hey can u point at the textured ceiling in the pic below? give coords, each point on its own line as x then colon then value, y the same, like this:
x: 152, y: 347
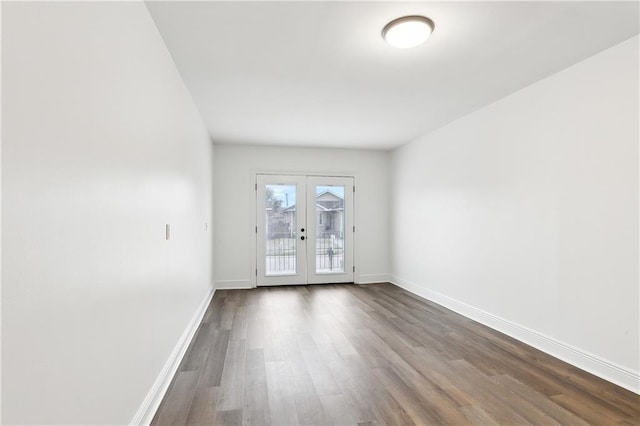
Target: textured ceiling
x: 319, y: 73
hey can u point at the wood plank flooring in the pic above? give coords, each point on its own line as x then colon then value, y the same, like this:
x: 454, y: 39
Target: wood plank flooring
x: 374, y: 354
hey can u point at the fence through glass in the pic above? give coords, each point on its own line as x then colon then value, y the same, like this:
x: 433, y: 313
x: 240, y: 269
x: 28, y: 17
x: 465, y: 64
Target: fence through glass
x: 329, y: 229
x: 280, y: 227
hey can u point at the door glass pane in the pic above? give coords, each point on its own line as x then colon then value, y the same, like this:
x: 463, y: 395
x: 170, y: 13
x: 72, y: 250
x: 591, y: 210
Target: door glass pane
x: 280, y: 229
x: 329, y: 210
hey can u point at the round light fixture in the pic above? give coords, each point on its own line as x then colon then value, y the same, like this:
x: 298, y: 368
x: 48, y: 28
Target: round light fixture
x: 408, y: 31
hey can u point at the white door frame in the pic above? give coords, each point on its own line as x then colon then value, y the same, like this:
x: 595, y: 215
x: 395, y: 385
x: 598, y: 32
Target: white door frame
x: 348, y: 272
x: 296, y: 235
x: 253, y: 229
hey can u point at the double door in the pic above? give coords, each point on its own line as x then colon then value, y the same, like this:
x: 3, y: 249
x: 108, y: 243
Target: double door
x: 304, y: 229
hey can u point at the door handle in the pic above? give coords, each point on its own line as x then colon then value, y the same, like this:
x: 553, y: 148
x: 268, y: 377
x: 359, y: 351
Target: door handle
x: 302, y: 238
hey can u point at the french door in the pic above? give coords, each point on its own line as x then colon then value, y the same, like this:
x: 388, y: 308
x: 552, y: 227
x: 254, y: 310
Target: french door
x: 304, y: 229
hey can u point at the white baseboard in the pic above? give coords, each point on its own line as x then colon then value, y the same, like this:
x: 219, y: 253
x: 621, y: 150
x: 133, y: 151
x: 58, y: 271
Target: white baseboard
x: 150, y: 405
x: 233, y: 285
x: 373, y: 278
x: 577, y: 357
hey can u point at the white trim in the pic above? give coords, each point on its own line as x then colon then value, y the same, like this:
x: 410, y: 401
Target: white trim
x: 577, y: 357
x: 300, y: 173
x: 373, y: 278
x: 154, y: 397
x: 234, y: 285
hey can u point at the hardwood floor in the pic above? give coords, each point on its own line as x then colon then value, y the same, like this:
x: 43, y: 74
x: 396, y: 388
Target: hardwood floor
x: 349, y: 354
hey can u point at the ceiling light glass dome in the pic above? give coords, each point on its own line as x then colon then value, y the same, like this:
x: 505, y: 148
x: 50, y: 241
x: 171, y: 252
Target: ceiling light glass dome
x: 408, y: 31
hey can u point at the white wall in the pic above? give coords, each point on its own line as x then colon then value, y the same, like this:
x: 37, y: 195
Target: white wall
x: 235, y: 166
x: 524, y: 214
x: 102, y: 146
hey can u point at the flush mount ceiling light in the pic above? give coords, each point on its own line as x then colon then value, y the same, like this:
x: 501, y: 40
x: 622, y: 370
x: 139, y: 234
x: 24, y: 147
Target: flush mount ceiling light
x: 408, y: 31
